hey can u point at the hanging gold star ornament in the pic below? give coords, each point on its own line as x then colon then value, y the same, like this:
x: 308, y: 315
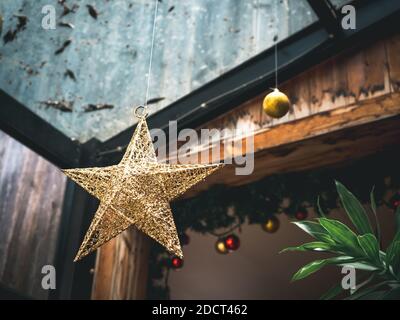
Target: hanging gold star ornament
x: 137, y: 191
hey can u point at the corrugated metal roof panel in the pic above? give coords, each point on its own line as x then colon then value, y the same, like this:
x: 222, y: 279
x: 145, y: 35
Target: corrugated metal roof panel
x: 196, y: 41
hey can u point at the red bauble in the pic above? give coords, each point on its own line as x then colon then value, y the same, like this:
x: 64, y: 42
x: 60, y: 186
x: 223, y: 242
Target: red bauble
x: 232, y: 242
x: 185, y: 239
x: 176, y: 263
x: 395, y: 201
x: 301, y: 214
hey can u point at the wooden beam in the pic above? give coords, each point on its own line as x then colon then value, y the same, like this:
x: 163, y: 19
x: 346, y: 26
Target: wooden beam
x: 329, y: 121
x: 348, y: 94
x: 323, y: 139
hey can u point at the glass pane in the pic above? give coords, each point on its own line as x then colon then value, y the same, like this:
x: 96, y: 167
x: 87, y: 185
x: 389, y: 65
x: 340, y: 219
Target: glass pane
x: 106, y: 61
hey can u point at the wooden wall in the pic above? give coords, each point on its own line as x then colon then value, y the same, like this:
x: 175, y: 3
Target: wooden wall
x: 31, y: 197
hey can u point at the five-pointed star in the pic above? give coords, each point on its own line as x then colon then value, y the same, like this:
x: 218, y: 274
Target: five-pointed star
x: 137, y: 192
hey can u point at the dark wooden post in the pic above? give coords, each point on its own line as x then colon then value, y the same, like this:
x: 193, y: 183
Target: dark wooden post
x: 121, y: 267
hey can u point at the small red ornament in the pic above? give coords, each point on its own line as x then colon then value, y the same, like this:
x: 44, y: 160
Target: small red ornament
x: 232, y: 242
x: 301, y: 214
x: 395, y: 200
x: 176, y: 263
x: 185, y: 239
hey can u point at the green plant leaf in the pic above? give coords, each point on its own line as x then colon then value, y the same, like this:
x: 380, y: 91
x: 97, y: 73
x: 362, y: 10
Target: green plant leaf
x: 320, y: 211
x: 370, y: 246
x: 397, y: 217
x: 391, y: 253
x: 364, y: 292
x: 393, y: 256
x: 315, y: 230
x: 396, y: 237
x: 393, y: 294
x: 342, y: 235
x: 373, y: 207
x: 308, y: 269
x: 376, y: 295
x: 372, y: 198
x: 360, y: 266
x: 364, y: 282
x: 316, y: 265
x: 354, y: 209
x: 312, y: 246
x: 332, y: 292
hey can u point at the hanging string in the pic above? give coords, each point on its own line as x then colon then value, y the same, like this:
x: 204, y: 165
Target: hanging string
x: 256, y: 33
x: 276, y: 63
x: 151, y: 53
x: 276, y: 44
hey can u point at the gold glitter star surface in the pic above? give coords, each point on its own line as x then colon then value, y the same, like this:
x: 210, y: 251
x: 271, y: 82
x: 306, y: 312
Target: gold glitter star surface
x: 137, y: 192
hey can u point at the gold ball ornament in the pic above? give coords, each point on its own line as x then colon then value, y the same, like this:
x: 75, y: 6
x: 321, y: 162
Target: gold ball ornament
x: 271, y: 225
x: 276, y: 104
x: 221, y: 247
